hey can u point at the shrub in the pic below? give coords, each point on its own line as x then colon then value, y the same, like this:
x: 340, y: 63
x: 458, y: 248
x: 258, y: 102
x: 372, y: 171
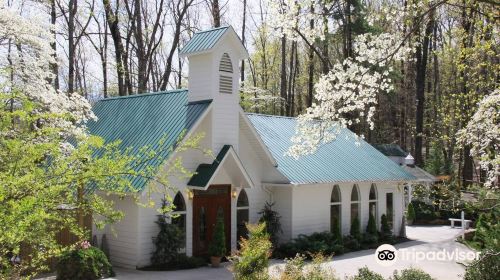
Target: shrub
x: 365, y: 274
x: 370, y: 240
x: 385, y: 228
x: 355, y: 229
x: 351, y: 243
x: 84, y: 263
x: 486, y: 268
x: 324, y: 242
x: 481, y: 227
x: 410, y: 215
x: 411, y: 274
x: 295, y: 269
x: 423, y: 211
x: 181, y: 261
x: 272, y: 220
x: 167, y: 242
x: 336, y: 230
x: 253, y: 258
x: 372, y: 225
x: 217, y: 247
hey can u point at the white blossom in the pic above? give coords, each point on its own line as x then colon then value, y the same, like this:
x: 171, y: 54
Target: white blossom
x: 30, y: 65
x: 288, y: 16
x: 482, y: 133
x: 348, y: 93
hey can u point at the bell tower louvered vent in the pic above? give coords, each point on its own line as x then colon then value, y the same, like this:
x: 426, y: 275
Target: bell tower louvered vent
x: 225, y: 64
x: 225, y: 75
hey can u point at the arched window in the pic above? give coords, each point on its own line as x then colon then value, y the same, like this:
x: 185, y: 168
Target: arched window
x: 179, y: 217
x: 335, y: 208
x: 242, y: 213
x: 372, y: 201
x: 355, y: 200
x: 225, y: 75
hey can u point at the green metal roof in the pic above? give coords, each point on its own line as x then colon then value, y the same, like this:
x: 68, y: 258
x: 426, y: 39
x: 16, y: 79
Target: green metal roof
x: 338, y: 161
x: 144, y: 120
x: 390, y: 150
x: 203, y: 40
x: 205, y: 171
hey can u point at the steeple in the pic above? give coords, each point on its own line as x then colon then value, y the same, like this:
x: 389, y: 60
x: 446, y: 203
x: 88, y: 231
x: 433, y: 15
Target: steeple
x: 214, y: 57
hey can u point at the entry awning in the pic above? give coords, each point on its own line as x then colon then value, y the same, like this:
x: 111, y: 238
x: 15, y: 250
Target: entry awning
x: 226, y: 160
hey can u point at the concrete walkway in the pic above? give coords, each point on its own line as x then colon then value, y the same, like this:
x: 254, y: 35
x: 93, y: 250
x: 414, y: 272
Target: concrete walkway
x: 424, y: 239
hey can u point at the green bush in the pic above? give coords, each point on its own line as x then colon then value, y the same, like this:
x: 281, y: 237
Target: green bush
x: 336, y: 230
x: 324, y: 242
x: 410, y: 215
x: 370, y: 240
x: 181, y: 261
x: 217, y: 247
x: 273, y: 224
x: 372, y: 225
x: 84, y: 263
x: 355, y: 229
x: 252, y: 261
x: 385, y: 230
x: 295, y: 269
x: 167, y: 243
x: 352, y: 243
x: 486, y: 268
x: 423, y: 211
x: 366, y: 274
x: 411, y: 274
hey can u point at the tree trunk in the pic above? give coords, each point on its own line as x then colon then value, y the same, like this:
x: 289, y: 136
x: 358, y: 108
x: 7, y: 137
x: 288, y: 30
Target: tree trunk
x: 142, y: 60
x: 114, y: 29
x: 215, y: 9
x: 421, y: 65
x: 310, y: 69
x: 347, y: 50
x: 72, y: 8
x: 53, y: 18
x: 283, y: 76
x: 243, y: 28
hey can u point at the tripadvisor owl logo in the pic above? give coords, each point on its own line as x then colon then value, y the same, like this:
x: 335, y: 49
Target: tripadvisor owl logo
x: 386, y: 255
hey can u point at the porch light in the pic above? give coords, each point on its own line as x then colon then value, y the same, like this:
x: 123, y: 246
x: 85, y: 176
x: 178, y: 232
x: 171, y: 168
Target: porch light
x: 234, y: 193
x: 190, y: 194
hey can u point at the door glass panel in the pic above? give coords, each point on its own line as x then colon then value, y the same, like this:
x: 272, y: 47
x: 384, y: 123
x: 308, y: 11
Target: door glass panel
x: 203, y: 224
x: 220, y: 213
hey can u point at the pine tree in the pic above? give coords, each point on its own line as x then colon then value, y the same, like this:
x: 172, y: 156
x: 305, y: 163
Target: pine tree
x: 168, y: 242
x: 355, y: 229
x: 372, y: 225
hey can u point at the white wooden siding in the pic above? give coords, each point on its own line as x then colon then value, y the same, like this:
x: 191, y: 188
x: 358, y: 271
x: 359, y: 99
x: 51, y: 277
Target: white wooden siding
x: 123, y: 236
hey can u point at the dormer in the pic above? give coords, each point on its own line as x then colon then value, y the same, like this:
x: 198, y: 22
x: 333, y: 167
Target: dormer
x: 214, y: 56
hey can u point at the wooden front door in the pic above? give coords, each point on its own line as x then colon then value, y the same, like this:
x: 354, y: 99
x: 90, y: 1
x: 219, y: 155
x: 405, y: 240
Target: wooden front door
x: 207, y: 206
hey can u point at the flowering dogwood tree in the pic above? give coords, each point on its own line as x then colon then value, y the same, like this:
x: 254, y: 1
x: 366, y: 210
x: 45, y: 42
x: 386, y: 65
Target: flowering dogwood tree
x: 482, y: 133
x: 50, y: 167
x: 347, y: 94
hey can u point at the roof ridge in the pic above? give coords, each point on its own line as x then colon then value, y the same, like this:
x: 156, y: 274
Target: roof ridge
x: 271, y: 116
x: 213, y: 29
x: 145, y: 94
x: 200, y: 102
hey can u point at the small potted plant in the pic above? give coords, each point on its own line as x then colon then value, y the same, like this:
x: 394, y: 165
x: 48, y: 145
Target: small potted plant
x: 217, y: 248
